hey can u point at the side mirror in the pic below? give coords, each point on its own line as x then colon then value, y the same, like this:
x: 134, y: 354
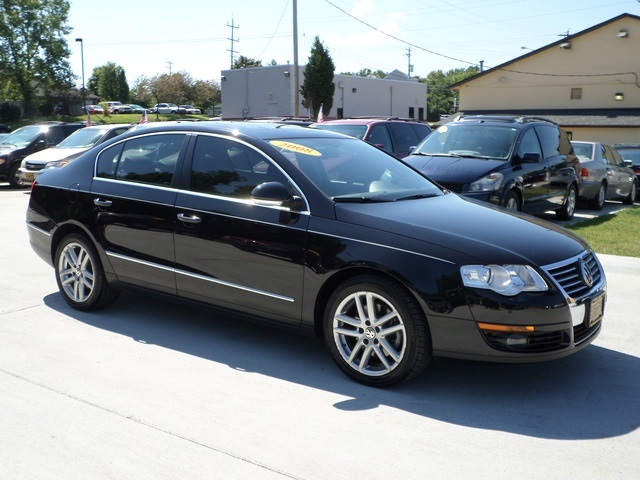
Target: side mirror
x: 531, y: 158
x: 275, y: 194
x: 627, y: 163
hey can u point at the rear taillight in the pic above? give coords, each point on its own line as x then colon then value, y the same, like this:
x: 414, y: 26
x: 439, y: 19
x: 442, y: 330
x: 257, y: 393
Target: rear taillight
x: 584, y: 172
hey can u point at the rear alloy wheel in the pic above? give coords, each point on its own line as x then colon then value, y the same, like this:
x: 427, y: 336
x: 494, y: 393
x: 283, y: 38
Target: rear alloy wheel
x: 597, y: 202
x: 376, y: 332
x: 569, y: 207
x: 80, y: 276
x: 629, y: 199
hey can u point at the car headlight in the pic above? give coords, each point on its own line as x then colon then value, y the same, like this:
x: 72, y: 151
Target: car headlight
x: 506, y: 280
x: 489, y: 183
x: 57, y: 164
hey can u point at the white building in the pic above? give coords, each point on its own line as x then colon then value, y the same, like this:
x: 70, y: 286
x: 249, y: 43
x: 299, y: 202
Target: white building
x: 270, y: 92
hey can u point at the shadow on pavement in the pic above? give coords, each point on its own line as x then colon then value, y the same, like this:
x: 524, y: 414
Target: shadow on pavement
x: 592, y: 394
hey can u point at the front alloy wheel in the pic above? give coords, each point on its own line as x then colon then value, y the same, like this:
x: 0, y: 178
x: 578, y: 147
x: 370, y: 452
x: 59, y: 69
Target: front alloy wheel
x: 80, y: 276
x: 375, y: 332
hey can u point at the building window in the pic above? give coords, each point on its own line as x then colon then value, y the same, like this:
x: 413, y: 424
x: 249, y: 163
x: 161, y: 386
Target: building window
x: 412, y: 112
x: 421, y: 114
x: 340, y: 113
x: 576, y: 93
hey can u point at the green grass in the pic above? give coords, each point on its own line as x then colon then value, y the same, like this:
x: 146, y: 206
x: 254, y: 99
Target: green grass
x: 615, y: 234
x: 104, y: 119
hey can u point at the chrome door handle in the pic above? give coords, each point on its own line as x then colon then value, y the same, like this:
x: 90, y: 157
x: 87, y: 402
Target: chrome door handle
x: 189, y: 218
x: 102, y: 203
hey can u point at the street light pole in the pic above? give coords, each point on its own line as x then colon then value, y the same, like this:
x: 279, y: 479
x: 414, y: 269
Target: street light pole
x: 82, y: 58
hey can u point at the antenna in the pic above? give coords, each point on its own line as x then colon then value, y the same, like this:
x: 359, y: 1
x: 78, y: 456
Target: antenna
x: 409, y: 67
x: 233, y: 40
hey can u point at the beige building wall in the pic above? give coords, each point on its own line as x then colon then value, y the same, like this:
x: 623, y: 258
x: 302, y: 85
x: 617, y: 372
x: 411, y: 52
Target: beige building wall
x: 598, y: 65
x: 605, y: 135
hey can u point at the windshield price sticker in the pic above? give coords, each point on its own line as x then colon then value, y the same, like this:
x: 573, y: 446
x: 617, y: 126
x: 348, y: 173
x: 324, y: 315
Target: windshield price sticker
x: 294, y: 147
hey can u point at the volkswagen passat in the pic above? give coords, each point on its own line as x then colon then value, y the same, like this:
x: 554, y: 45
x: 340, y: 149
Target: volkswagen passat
x: 319, y: 232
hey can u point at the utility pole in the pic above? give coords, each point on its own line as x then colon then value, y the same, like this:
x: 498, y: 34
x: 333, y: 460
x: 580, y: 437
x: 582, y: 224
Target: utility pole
x: 233, y: 40
x: 169, y: 63
x: 409, y: 67
x: 296, y: 76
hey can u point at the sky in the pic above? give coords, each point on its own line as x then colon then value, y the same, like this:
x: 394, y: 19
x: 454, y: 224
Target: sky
x: 152, y: 37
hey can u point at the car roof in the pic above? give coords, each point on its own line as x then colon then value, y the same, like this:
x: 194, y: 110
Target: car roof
x: 513, y: 120
x: 370, y: 120
x: 259, y: 130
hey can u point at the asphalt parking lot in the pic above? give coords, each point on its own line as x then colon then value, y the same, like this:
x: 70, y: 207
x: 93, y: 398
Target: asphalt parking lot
x: 150, y: 389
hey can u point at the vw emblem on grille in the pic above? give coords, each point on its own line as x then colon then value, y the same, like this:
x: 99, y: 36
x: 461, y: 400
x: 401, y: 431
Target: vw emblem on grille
x: 587, y: 274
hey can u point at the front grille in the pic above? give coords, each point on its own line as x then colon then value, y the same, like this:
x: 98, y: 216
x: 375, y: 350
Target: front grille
x: 453, y: 186
x: 572, y: 275
x: 34, y: 166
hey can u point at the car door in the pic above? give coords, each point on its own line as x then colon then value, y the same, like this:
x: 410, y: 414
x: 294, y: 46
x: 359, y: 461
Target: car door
x: 556, y: 149
x: 134, y: 199
x: 531, y: 168
x: 619, y: 176
x: 231, y: 251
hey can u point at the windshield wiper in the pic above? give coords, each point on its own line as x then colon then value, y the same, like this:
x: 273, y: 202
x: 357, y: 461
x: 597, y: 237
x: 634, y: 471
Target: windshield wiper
x: 417, y: 196
x: 359, y: 199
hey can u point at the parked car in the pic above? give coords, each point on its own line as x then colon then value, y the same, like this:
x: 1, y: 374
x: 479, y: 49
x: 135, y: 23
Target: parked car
x: 5, y: 128
x: 604, y: 175
x: 190, y: 109
x: 167, y: 108
x: 321, y: 233
x: 3, y: 135
x: 94, y: 109
x: 67, y: 150
x: 394, y: 135
x: 122, y: 108
x: 520, y: 163
x: 27, y: 140
x: 631, y: 152
x: 136, y: 108
x: 112, y: 103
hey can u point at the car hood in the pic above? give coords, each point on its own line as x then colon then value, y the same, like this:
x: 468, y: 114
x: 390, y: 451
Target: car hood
x: 453, y: 169
x: 477, y: 230
x: 53, y: 154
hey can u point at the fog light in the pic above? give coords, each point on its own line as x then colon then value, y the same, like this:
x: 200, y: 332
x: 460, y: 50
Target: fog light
x: 517, y: 341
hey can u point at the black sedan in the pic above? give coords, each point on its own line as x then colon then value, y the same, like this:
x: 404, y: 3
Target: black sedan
x: 321, y: 233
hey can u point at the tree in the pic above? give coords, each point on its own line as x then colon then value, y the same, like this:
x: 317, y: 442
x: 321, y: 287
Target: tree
x: 206, y: 94
x: 109, y: 82
x: 141, y: 92
x: 318, y: 88
x: 244, y: 62
x: 33, y: 51
x: 172, y: 88
x: 440, y: 98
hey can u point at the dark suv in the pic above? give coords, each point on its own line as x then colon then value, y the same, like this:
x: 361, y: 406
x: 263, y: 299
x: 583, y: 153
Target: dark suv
x: 521, y: 163
x: 631, y: 152
x: 394, y: 135
x: 27, y: 140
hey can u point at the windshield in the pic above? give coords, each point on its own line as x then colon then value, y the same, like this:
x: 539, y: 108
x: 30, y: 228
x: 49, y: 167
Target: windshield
x: 21, y: 137
x: 83, y: 138
x: 357, y: 131
x: 472, y: 140
x: 349, y: 170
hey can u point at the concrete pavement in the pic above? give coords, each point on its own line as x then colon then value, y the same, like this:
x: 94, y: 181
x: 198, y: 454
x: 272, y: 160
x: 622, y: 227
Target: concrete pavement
x: 150, y: 389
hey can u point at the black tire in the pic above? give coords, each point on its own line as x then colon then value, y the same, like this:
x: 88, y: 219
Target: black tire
x: 569, y: 208
x: 512, y: 202
x: 14, y: 182
x: 366, y: 350
x: 629, y: 199
x: 597, y: 202
x: 80, y: 275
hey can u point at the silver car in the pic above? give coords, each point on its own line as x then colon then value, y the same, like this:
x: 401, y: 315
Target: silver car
x: 604, y: 175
